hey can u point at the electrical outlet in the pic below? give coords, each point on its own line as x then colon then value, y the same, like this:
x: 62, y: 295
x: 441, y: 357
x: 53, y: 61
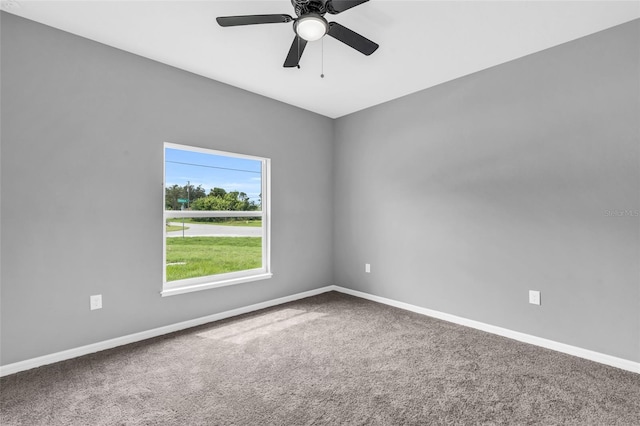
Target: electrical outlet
x: 367, y: 268
x: 95, y: 302
x: 534, y: 297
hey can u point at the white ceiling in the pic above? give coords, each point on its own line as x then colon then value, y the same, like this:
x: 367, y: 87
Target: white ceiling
x: 422, y: 43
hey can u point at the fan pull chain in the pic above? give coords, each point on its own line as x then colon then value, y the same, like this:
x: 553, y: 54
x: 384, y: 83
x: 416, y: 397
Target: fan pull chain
x: 298, y: 39
x: 322, y: 59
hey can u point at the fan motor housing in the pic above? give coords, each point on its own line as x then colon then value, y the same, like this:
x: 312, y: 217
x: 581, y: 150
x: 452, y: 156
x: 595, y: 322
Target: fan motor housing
x: 305, y: 7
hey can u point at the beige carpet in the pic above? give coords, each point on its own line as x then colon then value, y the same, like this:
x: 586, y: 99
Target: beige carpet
x: 328, y: 359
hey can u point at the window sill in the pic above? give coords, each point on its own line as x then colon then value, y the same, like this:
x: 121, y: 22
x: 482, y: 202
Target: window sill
x: 214, y: 284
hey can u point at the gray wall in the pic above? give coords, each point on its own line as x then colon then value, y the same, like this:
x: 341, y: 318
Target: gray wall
x: 83, y: 127
x: 465, y: 196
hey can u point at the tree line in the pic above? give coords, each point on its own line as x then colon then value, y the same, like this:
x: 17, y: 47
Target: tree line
x: 217, y: 199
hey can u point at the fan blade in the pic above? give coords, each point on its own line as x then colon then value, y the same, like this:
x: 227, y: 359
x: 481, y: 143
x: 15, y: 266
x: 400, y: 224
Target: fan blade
x: 232, y: 21
x: 336, y: 6
x: 295, y: 53
x: 353, y: 39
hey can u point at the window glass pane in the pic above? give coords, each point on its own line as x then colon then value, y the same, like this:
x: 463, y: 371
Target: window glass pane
x: 205, y: 246
x: 200, y: 249
x: 200, y: 181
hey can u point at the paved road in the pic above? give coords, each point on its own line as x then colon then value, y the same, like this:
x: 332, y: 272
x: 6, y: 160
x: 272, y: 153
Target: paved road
x: 198, y: 230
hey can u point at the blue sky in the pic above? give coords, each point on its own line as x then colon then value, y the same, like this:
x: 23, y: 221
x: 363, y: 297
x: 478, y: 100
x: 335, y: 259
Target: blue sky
x: 211, y: 171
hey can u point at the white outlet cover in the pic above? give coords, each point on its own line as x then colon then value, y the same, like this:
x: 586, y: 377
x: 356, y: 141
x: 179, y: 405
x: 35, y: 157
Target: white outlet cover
x: 534, y: 297
x: 367, y: 268
x: 95, y: 302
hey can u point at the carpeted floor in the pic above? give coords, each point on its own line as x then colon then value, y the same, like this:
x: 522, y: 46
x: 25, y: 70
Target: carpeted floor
x: 328, y: 359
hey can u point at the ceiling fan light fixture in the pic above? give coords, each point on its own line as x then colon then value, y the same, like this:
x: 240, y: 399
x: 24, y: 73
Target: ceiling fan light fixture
x: 311, y: 27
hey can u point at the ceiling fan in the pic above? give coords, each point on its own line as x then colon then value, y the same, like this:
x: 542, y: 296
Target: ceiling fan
x: 310, y: 25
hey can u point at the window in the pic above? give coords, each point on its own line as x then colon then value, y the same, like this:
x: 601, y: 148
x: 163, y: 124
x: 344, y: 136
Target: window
x: 216, y: 219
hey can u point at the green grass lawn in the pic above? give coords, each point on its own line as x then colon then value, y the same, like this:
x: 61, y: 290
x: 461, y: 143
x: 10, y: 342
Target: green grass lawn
x: 171, y: 228
x: 236, y: 222
x: 202, y: 256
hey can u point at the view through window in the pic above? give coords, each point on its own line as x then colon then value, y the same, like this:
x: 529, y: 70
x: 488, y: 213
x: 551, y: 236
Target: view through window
x: 216, y: 218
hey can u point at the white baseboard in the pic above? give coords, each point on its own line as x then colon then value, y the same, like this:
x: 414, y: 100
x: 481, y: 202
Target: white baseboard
x: 28, y: 364
x: 136, y: 337
x: 613, y: 361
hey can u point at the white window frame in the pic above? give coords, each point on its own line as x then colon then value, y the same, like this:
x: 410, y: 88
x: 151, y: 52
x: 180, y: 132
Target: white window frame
x: 219, y: 280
